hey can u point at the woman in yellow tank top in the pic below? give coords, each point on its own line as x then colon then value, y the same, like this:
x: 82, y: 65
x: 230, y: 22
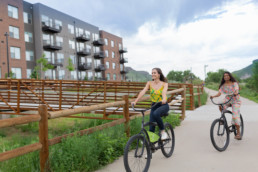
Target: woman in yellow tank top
x: 158, y: 93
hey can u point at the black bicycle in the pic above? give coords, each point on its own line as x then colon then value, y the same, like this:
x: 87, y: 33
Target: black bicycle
x: 139, y: 148
x: 220, y: 130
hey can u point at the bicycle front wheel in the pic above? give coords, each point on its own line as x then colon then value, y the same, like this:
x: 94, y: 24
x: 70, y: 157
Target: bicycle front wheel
x: 219, y: 134
x: 168, y: 145
x: 137, y: 155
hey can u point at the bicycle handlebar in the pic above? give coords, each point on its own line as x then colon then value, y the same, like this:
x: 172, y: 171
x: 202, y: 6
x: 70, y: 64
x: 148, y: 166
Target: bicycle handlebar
x: 147, y: 108
x: 233, y: 95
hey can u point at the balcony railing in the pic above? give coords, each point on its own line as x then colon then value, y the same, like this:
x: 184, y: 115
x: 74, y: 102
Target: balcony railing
x: 48, y: 45
x: 84, y: 66
x: 123, y: 60
x: 84, y: 52
x: 122, y: 50
x: 100, y: 68
x: 99, y: 55
x: 56, y: 63
x: 83, y: 38
x: 47, y: 27
x: 99, y: 42
x: 123, y: 71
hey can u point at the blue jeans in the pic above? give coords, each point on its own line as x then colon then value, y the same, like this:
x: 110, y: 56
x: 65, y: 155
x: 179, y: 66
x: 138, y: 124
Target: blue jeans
x: 155, y: 113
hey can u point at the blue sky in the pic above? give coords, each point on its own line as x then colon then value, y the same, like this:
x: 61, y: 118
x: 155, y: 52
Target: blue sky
x: 175, y: 34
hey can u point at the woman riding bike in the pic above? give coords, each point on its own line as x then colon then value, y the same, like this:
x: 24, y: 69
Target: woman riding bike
x: 158, y: 90
x: 229, y: 86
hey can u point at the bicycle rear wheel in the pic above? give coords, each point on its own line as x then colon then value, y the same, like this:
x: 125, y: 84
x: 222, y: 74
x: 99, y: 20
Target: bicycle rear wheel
x: 241, y: 127
x: 219, y: 134
x: 168, y: 145
x: 137, y: 155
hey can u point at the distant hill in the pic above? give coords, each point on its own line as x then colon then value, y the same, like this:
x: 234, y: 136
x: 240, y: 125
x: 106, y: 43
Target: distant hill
x: 137, y: 76
x: 245, y: 72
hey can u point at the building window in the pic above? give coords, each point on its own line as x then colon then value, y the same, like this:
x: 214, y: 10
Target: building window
x: 107, y: 65
x: 59, y: 41
x: 14, y: 32
x: 28, y: 37
x: 120, y: 46
x: 28, y: 73
x: 72, y: 57
x: 106, y: 41
x: 60, y: 58
x: 106, y: 53
x: 79, y: 32
x: 58, y: 23
x: 108, y: 76
x: 61, y: 74
x: 89, y: 61
x: 90, y: 76
x: 112, y: 43
x: 15, y: 52
x: 71, y: 28
x: 113, y: 54
x: 114, y: 76
x: 12, y: 11
x: 87, y: 34
x: 114, y: 65
x: 73, y: 75
x: 72, y: 44
x: 49, y: 56
x: 17, y: 73
x: 29, y: 56
x: 27, y: 18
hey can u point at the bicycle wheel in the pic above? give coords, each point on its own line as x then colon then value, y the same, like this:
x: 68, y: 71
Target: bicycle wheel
x: 137, y: 155
x: 219, y: 134
x: 241, y: 126
x: 168, y: 145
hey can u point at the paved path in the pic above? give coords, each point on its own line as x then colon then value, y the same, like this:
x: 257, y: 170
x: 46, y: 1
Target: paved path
x: 194, y: 151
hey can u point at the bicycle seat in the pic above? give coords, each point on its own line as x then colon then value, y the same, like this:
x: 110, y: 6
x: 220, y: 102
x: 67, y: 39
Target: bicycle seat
x: 164, y: 115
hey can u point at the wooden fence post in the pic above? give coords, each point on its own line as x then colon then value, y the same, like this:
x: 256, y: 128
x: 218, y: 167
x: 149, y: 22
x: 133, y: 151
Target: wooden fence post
x: 60, y: 94
x: 18, y: 95
x: 43, y: 138
x: 126, y: 115
x: 191, y: 89
x: 183, y: 103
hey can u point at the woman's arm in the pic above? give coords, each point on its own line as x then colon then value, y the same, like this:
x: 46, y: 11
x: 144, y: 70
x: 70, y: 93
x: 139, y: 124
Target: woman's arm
x: 142, y: 93
x: 217, y: 95
x: 236, y: 88
x: 164, y: 93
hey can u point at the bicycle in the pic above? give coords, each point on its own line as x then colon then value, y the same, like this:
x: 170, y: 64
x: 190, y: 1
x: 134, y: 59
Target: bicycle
x: 139, y: 148
x: 219, y: 131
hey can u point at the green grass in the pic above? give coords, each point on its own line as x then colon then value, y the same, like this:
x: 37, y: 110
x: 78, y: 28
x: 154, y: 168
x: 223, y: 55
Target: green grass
x: 78, y: 153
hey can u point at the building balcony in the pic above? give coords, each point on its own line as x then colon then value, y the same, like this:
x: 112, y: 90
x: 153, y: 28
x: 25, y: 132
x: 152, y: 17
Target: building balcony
x: 56, y: 63
x: 83, y: 38
x: 123, y: 71
x: 98, y: 42
x: 100, y: 68
x: 123, y: 60
x: 122, y: 50
x: 100, y: 79
x: 84, y: 66
x: 84, y: 52
x: 99, y: 55
x: 48, y: 45
x: 46, y: 27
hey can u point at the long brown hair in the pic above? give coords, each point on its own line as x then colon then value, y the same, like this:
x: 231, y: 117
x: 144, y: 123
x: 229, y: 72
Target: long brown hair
x: 232, y: 79
x: 162, y: 77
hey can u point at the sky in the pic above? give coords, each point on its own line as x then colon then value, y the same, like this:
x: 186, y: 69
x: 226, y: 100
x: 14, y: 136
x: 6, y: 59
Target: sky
x: 175, y: 34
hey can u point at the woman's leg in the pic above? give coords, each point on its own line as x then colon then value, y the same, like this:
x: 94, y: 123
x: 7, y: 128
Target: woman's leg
x: 152, y: 119
x: 236, y: 119
x: 157, y: 112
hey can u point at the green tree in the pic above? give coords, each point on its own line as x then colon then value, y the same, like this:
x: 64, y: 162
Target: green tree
x: 11, y: 75
x: 42, y: 65
x: 255, y: 75
x: 175, y: 76
x: 70, y: 66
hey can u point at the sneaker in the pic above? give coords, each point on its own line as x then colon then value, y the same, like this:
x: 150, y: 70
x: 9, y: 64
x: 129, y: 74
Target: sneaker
x: 164, y: 136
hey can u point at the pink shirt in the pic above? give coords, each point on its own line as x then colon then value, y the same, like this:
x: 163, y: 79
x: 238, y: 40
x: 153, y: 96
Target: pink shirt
x: 230, y: 90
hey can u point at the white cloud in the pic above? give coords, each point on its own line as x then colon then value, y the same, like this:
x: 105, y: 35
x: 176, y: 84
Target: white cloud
x: 227, y: 41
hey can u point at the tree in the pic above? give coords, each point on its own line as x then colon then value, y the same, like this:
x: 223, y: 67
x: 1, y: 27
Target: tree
x: 11, y: 75
x: 255, y: 75
x: 175, y: 76
x: 42, y: 65
x: 70, y: 66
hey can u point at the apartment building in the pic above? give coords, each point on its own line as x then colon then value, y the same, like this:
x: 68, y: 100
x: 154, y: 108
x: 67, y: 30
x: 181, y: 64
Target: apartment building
x: 114, y: 53
x: 36, y: 31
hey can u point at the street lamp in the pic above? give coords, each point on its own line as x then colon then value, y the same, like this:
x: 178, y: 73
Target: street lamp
x: 205, y: 72
x: 7, y: 53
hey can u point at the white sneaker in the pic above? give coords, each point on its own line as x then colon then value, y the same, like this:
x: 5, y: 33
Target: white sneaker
x: 164, y: 136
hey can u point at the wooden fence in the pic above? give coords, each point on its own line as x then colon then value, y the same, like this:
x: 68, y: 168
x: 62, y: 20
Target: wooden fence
x: 20, y: 95
x: 44, y: 115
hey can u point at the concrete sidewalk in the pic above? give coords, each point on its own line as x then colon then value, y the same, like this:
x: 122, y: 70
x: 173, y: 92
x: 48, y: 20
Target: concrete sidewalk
x: 194, y: 151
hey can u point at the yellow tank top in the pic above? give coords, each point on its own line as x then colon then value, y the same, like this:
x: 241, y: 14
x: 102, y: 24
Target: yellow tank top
x: 156, y: 95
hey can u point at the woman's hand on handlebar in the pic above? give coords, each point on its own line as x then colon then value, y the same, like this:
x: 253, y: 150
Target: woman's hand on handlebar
x: 211, y: 97
x: 133, y: 103
x: 164, y: 101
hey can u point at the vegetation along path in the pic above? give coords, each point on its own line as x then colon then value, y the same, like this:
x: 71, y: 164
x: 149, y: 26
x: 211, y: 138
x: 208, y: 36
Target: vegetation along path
x: 194, y: 151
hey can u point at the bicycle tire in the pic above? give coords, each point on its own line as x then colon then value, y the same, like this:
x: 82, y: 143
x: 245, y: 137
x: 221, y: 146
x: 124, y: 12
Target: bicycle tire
x: 135, y: 150
x: 241, y: 127
x: 168, y: 146
x: 218, y: 131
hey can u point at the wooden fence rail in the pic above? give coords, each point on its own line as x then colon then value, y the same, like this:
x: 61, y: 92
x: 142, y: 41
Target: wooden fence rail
x: 44, y: 115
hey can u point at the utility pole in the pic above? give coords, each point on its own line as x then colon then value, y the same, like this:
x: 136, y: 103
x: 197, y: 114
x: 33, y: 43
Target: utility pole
x: 205, y: 66
x: 7, y: 53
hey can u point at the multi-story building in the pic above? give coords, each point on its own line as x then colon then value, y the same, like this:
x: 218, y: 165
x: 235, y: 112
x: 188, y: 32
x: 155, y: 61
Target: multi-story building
x: 36, y: 31
x: 114, y: 52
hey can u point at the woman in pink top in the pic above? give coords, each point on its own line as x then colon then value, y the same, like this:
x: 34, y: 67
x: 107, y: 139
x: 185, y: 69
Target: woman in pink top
x: 229, y: 86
